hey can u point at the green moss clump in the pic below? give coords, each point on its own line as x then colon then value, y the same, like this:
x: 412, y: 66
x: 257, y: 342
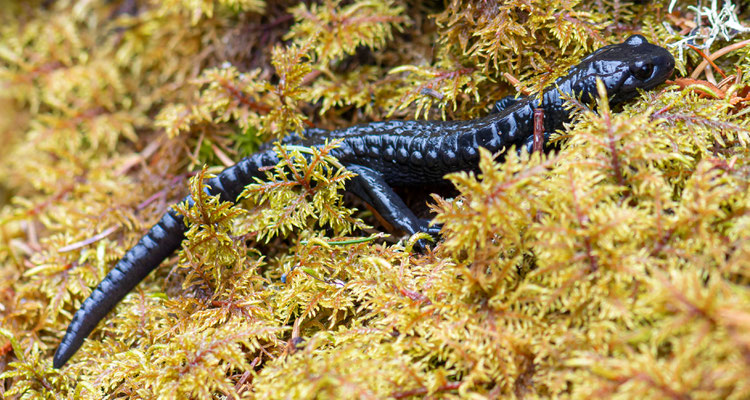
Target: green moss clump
x: 618, y: 266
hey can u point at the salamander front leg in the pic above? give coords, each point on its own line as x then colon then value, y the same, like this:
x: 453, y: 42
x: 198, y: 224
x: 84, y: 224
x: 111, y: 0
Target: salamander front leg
x: 370, y: 186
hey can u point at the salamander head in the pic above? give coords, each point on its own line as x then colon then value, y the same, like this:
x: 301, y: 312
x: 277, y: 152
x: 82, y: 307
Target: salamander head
x: 624, y: 68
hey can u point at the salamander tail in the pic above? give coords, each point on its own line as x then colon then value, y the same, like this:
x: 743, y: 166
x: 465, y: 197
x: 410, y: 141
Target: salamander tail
x: 160, y: 241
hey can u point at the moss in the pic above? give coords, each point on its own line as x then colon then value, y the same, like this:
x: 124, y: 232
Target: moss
x: 615, y: 267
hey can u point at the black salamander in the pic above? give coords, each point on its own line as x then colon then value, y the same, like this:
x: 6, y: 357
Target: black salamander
x: 385, y: 154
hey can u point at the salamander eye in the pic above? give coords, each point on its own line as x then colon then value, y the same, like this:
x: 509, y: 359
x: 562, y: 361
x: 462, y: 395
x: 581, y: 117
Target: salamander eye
x: 642, y: 70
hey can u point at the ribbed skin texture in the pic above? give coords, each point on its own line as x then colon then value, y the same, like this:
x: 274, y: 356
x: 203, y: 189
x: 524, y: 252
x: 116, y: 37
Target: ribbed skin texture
x: 395, y: 153
x: 158, y: 243
x: 155, y: 246
x: 230, y: 182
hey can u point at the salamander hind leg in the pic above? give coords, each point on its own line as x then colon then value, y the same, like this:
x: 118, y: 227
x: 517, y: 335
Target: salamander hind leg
x: 370, y: 186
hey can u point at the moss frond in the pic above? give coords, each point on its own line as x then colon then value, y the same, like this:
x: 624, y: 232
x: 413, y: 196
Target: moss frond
x: 302, y: 190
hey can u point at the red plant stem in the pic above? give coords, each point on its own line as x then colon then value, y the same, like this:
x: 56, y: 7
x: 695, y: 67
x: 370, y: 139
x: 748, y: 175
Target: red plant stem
x: 718, y: 54
x: 708, y: 58
x: 244, y: 99
x: 538, y: 129
x: 88, y: 241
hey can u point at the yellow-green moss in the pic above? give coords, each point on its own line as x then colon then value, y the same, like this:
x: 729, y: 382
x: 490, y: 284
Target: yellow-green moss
x: 616, y: 267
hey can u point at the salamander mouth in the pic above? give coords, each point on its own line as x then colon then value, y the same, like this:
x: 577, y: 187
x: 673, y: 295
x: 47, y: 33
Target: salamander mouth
x: 623, y: 89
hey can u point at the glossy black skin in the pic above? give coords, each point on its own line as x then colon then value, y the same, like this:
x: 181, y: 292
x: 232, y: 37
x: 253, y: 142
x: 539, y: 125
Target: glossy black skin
x: 384, y: 154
